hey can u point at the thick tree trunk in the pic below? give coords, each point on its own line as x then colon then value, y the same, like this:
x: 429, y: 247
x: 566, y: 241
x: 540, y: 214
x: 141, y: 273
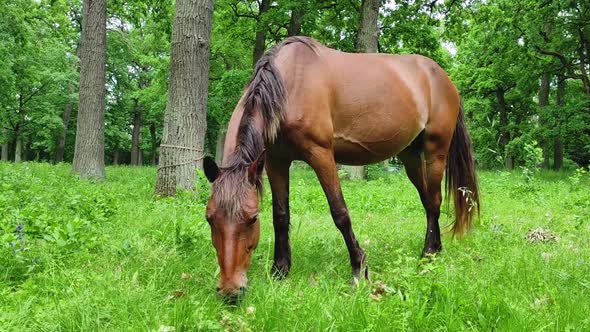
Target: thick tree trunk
x: 504, y: 132
x: 296, y: 21
x: 219, y: 146
x: 89, y: 148
x: 558, y: 142
x: 544, y: 91
x: 61, y: 140
x: 136, y: 135
x: 367, y: 42
x: 368, y: 36
x: 154, y: 139
x: 186, y: 112
x: 260, y: 42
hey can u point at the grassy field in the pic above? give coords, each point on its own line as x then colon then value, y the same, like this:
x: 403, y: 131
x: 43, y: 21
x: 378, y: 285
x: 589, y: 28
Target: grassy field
x: 82, y: 256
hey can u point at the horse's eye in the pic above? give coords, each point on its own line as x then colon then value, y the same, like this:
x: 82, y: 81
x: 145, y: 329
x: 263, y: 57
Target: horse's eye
x: 253, y: 220
x: 209, y: 219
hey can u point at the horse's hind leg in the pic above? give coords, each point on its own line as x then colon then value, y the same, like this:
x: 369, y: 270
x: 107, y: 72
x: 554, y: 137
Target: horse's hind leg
x: 278, y: 176
x: 425, y: 168
x: 322, y: 161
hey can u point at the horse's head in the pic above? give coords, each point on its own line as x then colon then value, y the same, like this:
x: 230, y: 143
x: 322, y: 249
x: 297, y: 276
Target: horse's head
x: 232, y: 214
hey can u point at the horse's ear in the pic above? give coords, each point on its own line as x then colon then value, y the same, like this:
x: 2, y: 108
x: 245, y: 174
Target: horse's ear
x: 210, y: 168
x: 256, y: 168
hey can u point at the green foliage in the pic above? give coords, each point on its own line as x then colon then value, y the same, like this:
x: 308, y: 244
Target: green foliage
x: 533, y: 156
x: 486, y: 46
x: 152, y: 264
x: 577, y: 178
x: 38, y: 66
x: 45, y: 212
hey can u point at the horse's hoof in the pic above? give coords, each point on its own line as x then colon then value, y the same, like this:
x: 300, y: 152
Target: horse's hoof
x: 280, y: 271
x: 430, y: 253
x: 367, y: 276
x: 357, y: 279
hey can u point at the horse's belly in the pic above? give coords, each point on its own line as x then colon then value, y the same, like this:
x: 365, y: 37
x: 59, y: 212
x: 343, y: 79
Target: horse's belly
x: 368, y: 149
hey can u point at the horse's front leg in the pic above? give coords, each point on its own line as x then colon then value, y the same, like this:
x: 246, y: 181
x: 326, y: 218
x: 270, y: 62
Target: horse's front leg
x: 278, y: 176
x: 322, y: 161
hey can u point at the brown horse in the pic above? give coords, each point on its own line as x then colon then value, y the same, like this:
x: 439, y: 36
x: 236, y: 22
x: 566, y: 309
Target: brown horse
x: 312, y: 103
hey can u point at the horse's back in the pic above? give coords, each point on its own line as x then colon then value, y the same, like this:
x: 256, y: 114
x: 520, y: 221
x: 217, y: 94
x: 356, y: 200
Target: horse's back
x: 368, y: 106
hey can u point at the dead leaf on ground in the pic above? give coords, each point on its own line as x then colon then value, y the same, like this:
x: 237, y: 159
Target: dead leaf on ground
x: 376, y: 298
x: 186, y: 276
x: 381, y: 289
x: 541, y: 235
x: 178, y: 293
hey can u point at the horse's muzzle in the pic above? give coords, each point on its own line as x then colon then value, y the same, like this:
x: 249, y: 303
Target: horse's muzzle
x: 231, y: 297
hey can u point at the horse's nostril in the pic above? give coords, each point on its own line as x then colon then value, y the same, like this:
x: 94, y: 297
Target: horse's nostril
x: 218, y: 289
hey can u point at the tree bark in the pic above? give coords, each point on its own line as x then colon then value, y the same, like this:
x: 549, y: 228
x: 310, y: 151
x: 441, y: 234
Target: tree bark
x: 61, y: 140
x: 154, y: 144
x: 219, y: 147
x: 116, y: 155
x: 368, y: 36
x: 5, y: 146
x: 296, y: 21
x: 4, y: 156
x: 18, y: 148
x: 367, y: 42
x: 544, y: 91
x: 89, y: 148
x: 504, y: 132
x: 185, y: 121
x: 136, y: 135
x: 260, y: 41
x: 558, y: 142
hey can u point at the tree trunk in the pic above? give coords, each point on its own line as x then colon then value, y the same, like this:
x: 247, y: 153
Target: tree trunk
x: 5, y: 146
x: 296, y: 21
x: 89, y: 148
x: 544, y: 90
x: 367, y: 42
x: 260, y: 42
x: 504, y: 132
x: 368, y: 36
x: 116, y: 157
x: 61, y: 141
x: 4, y: 156
x: 185, y: 121
x: 558, y: 142
x: 583, y: 62
x: 219, y: 147
x: 154, y: 144
x: 18, y: 149
x: 136, y: 135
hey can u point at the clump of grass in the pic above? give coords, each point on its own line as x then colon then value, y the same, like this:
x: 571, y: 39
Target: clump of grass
x: 151, y: 265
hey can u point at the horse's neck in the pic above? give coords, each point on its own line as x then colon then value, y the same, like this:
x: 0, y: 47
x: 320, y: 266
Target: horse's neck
x: 233, y: 131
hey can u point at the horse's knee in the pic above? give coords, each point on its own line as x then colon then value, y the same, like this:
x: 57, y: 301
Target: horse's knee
x: 341, y: 218
x: 281, y: 218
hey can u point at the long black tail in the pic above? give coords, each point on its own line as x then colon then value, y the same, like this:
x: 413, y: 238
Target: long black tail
x: 461, y: 179
x: 266, y: 91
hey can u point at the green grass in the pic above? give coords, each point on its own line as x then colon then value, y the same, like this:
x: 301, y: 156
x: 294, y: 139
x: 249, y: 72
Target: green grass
x: 108, y: 256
